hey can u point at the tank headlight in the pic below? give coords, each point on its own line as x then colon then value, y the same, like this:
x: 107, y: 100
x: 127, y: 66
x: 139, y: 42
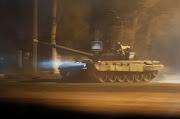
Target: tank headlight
x: 78, y: 62
x: 85, y: 67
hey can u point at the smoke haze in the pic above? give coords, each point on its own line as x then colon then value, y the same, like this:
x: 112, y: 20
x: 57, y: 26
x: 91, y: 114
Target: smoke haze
x: 150, y: 27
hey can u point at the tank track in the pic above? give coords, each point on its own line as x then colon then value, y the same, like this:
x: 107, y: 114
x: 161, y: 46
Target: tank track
x: 122, y: 77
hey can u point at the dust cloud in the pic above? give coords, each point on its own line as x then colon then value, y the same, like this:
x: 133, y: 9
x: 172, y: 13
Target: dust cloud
x: 168, y: 78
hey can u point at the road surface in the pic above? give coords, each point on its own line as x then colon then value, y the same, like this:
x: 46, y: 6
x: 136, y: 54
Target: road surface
x: 134, y: 98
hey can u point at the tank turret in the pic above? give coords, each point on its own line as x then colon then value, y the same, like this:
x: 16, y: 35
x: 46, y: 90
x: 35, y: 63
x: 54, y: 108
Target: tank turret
x: 117, y: 52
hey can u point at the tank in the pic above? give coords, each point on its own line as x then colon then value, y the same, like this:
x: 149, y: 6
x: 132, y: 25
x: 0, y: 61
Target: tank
x: 114, y: 65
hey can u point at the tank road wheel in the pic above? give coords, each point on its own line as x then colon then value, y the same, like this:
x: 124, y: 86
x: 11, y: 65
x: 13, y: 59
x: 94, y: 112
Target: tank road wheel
x: 147, y: 77
x: 155, y: 74
x: 138, y: 78
x: 129, y: 78
x: 112, y: 78
x: 120, y: 78
x: 101, y: 77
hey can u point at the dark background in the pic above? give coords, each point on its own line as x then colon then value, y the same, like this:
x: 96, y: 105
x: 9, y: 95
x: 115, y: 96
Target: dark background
x: 151, y: 27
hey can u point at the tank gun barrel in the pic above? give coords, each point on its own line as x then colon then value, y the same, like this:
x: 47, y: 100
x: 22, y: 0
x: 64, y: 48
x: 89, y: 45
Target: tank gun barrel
x: 66, y: 48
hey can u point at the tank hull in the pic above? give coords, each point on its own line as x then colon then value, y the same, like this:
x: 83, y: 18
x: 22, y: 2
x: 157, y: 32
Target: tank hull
x: 129, y: 66
x: 114, y: 71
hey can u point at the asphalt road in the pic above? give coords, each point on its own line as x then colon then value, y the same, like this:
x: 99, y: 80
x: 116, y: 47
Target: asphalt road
x: 136, y: 98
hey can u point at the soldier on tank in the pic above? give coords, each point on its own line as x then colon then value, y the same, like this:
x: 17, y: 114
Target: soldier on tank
x: 120, y: 50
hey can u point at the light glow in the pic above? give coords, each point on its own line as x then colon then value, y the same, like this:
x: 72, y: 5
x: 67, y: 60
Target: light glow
x: 50, y: 63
